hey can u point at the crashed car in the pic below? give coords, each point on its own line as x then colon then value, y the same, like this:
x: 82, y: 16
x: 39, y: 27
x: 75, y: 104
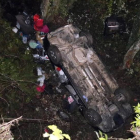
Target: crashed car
x: 95, y: 91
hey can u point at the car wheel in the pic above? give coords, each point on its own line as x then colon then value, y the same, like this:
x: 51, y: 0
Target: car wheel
x: 54, y: 55
x: 88, y: 36
x: 122, y: 95
x: 92, y: 117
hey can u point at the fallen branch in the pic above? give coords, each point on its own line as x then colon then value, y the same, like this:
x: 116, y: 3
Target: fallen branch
x: 5, y: 132
x: 129, y: 56
x: 25, y: 119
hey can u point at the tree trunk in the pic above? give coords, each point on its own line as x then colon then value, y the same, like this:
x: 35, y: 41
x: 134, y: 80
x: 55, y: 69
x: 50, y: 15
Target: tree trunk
x: 49, y: 9
x: 52, y: 8
x: 133, y: 43
x: 129, y: 56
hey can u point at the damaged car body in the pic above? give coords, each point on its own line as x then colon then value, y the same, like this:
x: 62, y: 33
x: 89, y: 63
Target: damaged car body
x: 91, y: 86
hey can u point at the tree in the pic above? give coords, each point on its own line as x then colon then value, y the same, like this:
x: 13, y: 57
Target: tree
x: 17, y: 80
x: 133, y: 43
x: 52, y: 8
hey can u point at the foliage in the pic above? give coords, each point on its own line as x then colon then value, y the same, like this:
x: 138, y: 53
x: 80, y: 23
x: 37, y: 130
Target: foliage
x: 17, y: 80
x: 135, y: 129
x: 101, y: 136
x: 136, y: 123
x: 109, y: 7
x: 137, y: 108
x: 56, y: 134
x: 59, y: 8
x: 90, y: 16
x: 64, y: 6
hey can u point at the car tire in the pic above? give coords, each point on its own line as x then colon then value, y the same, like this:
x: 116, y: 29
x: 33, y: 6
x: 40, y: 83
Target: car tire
x: 54, y: 55
x: 88, y: 36
x: 122, y: 95
x: 92, y: 117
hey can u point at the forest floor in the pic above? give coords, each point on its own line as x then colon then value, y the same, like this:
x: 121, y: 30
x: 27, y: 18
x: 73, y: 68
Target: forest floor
x: 45, y: 107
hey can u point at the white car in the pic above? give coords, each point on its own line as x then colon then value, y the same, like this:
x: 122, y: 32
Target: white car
x: 91, y: 86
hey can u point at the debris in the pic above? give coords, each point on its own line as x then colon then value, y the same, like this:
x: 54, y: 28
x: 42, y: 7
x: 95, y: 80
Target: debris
x: 39, y: 45
x: 114, y: 24
x: 70, y: 99
x: 25, y: 27
x: 61, y: 75
x: 40, y: 36
x: 37, y: 109
x: 58, y: 90
x: 40, y: 88
x: 39, y: 24
x: 64, y: 116
x: 18, y: 25
x: 39, y: 71
x: 46, y: 109
x: 36, y: 56
x: 5, y: 132
x: 33, y: 44
x: 86, y: 99
x: 44, y: 29
x: 15, y: 30
x: 24, y: 39
x: 41, y: 80
x: 41, y: 75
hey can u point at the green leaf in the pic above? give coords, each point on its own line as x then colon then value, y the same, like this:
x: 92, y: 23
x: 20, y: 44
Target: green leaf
x: 57, y: 134
x: 106, y: 137
x: 102, y: 139
x: 67, y: 136
x: 137, y: 108
x: 101, y: 134
x: 54, y: 128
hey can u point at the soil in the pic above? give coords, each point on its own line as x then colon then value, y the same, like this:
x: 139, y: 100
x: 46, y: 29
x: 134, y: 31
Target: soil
x: 46, y: 106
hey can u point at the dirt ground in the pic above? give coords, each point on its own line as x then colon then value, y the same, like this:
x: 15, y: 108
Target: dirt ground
x: 46, y: 107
